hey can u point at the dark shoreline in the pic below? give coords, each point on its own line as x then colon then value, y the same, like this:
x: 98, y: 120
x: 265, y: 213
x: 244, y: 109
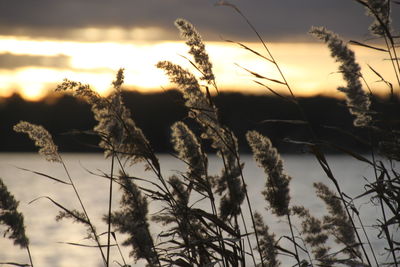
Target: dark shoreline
x: 156, y: 112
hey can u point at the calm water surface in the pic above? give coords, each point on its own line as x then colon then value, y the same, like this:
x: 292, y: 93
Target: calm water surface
x: 48, y: 238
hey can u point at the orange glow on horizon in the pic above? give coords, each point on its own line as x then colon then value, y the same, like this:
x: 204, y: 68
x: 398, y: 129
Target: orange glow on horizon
x: 308, y: 67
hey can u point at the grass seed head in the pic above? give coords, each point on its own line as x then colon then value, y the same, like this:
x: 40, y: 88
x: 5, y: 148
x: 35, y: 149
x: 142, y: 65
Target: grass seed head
x: 277, y: 185
x: 42, y: 139
x: 197, y: 49
x: 357, y: 100
x: 10, y: 217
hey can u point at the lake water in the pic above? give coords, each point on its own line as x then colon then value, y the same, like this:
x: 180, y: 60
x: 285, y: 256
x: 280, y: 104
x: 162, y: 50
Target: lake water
x: 48, y: 237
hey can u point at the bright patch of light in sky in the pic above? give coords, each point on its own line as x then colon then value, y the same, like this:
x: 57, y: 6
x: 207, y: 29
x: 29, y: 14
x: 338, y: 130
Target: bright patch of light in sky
x: 307, y: 66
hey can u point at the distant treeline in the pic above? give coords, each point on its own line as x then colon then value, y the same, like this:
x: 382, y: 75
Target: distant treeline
x: 279, y: 119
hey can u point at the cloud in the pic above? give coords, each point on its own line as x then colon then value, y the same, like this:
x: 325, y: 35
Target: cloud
x: 275, y: 19
x: 12, y: 61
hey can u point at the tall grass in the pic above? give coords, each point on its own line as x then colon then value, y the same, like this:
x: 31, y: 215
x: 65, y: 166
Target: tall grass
x: 208, y: 220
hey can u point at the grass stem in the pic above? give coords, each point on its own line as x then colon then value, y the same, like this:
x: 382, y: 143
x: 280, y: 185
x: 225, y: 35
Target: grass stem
x: 84, y: 211
x: 293, y: 240
x: 30, y: 256
x: 109, y: 209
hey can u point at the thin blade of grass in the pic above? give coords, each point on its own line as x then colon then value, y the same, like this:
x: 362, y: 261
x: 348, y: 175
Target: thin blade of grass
x: 297, y: 122
x: 178, y: 262
x: 279, y: 248
x: 153, y: 194
x: 393, y: 221
x: 376, y: 72
x: 79, y: 132
x: 227, y: 4
x: 63, y: 208
x: 272, y: 91
x: 362, y: 141
x: 251, y: 50
x: 119, y: 249
x: 290, y: 239
x: 362, y: 3
x: 351, y: 153
x: 296, y: 142
x: 15, y: 264
x: 382, y: 79
x: 202, y: 214
x: 368, y: 46
x: 314, y: 149
x: 392, y: 59
x: 202, y: 73
x: 86, y: 246
x: 44, y: 175
x: 260, y: 76
x: 368, y: 192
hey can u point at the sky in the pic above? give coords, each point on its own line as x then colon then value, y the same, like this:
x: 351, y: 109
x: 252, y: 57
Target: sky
x: 44, y: 41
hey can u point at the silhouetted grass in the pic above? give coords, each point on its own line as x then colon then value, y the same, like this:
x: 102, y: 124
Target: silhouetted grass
x: 229, y: 232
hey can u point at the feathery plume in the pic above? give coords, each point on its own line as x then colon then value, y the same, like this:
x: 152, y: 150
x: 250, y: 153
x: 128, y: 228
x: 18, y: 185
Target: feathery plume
x: 197, y: 49
x: 42, y: 139
x: 78, y: 217
x: 268, y: 250
x: 337, y: 221
x: 200, y: 108
x: 84, y: 91
x: 315, y: 235
x: 205, y: 113
x: 229, y: 186
x: 380, y: 11
x: 119, y: 79
x: 277, y: 186
x: 189, y: 150
x: 357, y: 100
x: 180, y: 191
x: 10, y: 217
x: 132, y: 219
x: 118, y: 131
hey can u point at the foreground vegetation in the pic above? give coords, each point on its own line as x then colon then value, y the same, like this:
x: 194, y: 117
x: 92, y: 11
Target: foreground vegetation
x: 222, y: 234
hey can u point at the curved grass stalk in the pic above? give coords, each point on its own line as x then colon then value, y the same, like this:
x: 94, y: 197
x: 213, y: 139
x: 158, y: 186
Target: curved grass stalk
x: 85, y: 212
x: 324, y: 164
x: 29, y: 255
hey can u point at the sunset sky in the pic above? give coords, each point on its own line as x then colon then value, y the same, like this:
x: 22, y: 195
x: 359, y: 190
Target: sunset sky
x: 44, y: 41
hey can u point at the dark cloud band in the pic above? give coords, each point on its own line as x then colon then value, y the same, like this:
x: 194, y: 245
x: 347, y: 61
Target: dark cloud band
x: 12, y: 61
x: 275, y: 19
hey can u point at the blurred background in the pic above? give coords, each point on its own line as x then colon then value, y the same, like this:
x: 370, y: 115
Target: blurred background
x: 46, y: 41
